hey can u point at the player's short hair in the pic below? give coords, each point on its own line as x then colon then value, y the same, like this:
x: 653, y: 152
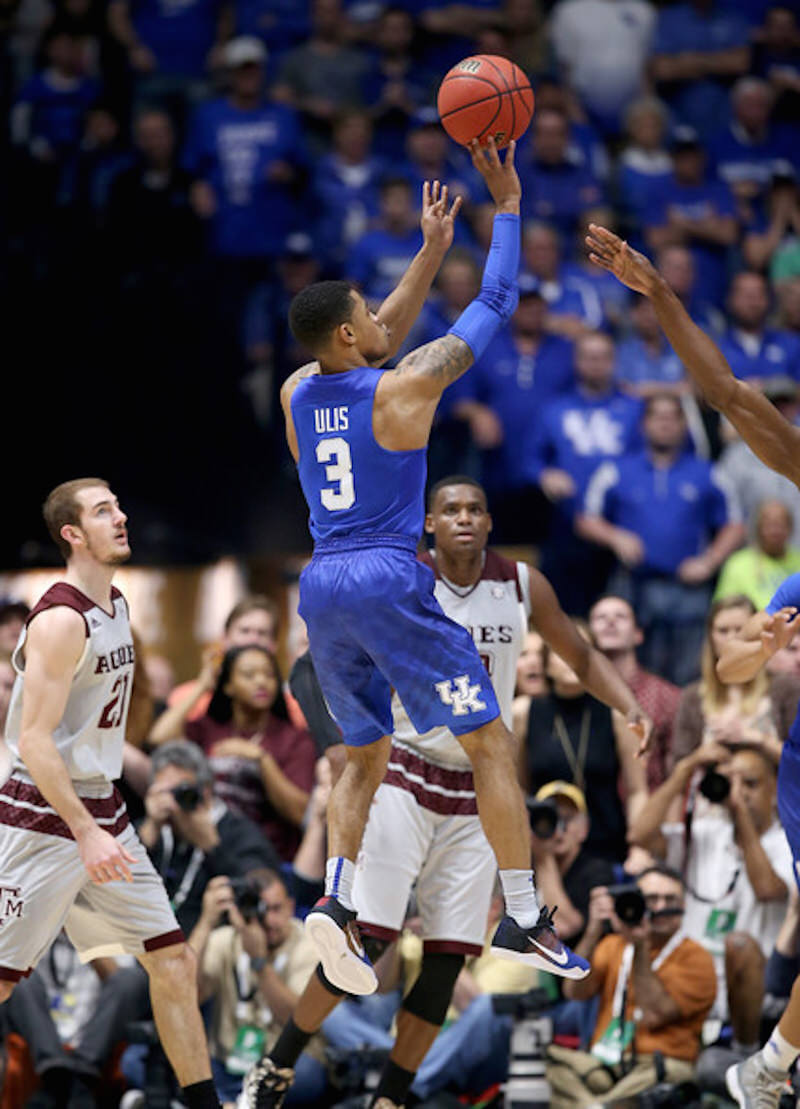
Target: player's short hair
x: 63, y: 507
x: 453, y: 479
x: 318, y: 310
x: 184, y: 755
x: 255, y: 602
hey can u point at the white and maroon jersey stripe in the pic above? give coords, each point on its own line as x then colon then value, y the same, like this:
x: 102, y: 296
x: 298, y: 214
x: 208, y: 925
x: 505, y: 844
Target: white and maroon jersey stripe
x: 91, y: 732
x: 23, y: 806
x: 496, y: 612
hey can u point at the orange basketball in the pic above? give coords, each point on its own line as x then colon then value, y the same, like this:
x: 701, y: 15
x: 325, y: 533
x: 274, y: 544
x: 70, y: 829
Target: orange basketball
x: 485, y: 95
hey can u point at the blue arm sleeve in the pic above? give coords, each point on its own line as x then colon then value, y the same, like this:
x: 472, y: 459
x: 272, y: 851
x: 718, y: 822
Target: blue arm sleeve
x: 496, y: 303
x: 786, y: 595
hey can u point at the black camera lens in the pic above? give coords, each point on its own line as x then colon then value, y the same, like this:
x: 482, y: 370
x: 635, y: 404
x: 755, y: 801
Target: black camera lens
x: 543, y: 817
x: 247, y: 896
x: 714, y: 786
x: 188, y: 797
x: 629, y: 904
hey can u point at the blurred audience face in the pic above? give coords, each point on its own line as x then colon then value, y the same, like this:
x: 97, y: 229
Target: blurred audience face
x: 594, y: 361
x: 11, y: 626
x: 530, y: 667
x: 690, y: 165
x: 790, y: 304
x: 780, y: 28
x: 664, y: 424
x: 327, y: 19
x: 774, y: 528
x: 396, y: 210
x: 528, y: 320
x: 6, y: 685
x: 395, y: 32
x: 753, y: 775
x: 256, y: 627
x: 646, y: 125
x: 427, y: 146
x: 69, y: 54
x: 253, y: 685
x: 613, y: 626
x: 660, y: 892
x: 459, y: 282
x: 645, y: 320
x: 571, y: 831
x: 550, y: 136
x: 522, y: 16
x: 161, y: 676
x: 748, y: 302
x: 541, y: 251
x: 482, y: 222
x: 752, y: 103
x: 277, y: 912
x: 247, y: 81
x: 155, y: 138
x: 352, y: 137
x: 726, y: 625
x: 677, y: 267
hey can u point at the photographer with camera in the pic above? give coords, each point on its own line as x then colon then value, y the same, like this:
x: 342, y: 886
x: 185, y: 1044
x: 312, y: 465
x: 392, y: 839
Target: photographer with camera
x: 738, y: 869
x: 655, y: 985
x: 253, y: 969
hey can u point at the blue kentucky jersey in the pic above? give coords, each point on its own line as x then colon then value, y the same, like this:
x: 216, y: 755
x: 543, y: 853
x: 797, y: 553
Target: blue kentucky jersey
x: 354, y: 487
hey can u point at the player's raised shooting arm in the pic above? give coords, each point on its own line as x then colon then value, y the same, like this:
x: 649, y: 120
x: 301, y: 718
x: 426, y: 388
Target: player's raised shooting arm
x: 763, y: 428
x: 56, y: 640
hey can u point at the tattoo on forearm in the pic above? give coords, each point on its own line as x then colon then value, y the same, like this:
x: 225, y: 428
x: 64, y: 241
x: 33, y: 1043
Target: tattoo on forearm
x: 444, y: 359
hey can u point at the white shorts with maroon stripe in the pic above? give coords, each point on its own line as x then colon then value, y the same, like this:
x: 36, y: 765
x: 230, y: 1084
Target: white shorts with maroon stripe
x: 424, y: 828
x: 44, y: 886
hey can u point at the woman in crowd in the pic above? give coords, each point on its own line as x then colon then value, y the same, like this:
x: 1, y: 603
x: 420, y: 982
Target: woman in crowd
x: 263, y: 766
x: 568, y: 735
x: 756, y: 714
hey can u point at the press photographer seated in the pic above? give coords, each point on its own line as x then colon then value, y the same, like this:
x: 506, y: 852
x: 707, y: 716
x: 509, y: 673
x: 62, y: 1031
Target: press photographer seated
x: 656, y: 987
x: 738, y: 870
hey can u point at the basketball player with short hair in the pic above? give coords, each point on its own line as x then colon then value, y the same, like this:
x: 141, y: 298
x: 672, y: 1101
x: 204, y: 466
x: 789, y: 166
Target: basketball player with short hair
x: 758, y: 1082
x: 68, y: 854
x: 423, y: 825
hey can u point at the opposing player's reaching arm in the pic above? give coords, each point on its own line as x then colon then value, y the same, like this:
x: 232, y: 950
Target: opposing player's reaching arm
x: 56, y: 640
x: 763, y: 428
x: 406, y: 398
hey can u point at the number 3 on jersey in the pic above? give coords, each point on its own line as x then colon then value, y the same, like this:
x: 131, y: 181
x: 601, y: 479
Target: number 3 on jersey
x: 334, y: 454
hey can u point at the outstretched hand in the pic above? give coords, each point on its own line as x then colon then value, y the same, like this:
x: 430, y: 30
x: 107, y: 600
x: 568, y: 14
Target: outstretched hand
x: 500, y: 177
x: 779, y: 630
x: 629, y: 266
x: 437, y: 220
x: 642, y: 728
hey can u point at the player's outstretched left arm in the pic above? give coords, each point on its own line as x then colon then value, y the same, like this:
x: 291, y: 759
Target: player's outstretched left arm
x: 401, y: 308
x: 56, y: 640
x: 763, y: 428
x: 595, y: 671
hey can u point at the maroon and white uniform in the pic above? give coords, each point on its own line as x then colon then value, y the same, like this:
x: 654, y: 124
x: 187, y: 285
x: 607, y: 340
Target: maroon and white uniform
x: 43, y: 883
x: 423, y: 825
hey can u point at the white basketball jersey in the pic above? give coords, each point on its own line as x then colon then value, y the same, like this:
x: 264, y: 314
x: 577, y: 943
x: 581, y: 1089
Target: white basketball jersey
x: 495, y: 611
x: 91, y: 733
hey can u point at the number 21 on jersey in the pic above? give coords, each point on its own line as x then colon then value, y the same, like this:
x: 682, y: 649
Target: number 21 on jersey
x: 334, y: 455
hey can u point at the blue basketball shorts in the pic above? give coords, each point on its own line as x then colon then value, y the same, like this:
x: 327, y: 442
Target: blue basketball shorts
x: 789, y: 800
x: 375, y: 626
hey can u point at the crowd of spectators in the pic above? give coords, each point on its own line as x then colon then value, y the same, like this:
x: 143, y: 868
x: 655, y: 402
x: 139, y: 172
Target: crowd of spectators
x: 176, y: 172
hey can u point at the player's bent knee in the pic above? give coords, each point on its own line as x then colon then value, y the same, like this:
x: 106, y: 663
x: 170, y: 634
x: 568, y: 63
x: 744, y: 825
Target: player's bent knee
x: 6, y: 990
x: 432, y: 992
x: 174, y: 966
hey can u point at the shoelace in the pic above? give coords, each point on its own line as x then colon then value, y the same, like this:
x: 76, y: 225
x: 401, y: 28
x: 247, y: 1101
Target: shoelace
x: 546, y: 917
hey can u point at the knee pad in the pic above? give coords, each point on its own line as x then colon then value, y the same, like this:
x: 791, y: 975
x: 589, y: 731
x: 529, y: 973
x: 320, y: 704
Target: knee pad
x: 430, y: 997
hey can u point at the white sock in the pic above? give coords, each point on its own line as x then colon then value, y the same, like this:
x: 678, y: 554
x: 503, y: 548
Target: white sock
x: 778, y: 1054
x: 339, y: 874
x: 520, y: 896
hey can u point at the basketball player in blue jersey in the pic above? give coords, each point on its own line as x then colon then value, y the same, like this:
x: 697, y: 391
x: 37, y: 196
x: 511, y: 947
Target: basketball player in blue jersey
x: 757, y: 1083
x: 359, y: 436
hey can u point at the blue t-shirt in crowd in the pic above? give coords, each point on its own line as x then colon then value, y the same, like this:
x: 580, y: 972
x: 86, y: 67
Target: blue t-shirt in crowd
x: 681, y: 28
x: 558, y: 194
x: 767, y: 355
x: 516, y: 386
x: 577, y: 432
x: 611, y: 295
x: 347, y: 199
x: 674, y: 510
x: 179, y: 32
x: 711, y: 198
x: 568, y: 296
x: 233, y: 149
x: 58, y: 112
x: 379, y: 260
x: 640, y: 180
x: 738, y: 160
x: 637, y: 364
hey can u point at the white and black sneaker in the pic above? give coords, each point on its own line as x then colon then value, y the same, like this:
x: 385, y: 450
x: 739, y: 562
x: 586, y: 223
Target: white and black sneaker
x: 753, y: 1086
x: 334, y: 933
x: 538, y: 946
x: 265, y: 1086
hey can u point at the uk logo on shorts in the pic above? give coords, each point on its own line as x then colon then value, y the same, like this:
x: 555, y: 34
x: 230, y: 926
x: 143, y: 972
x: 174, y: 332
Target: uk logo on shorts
x: 11, y: 903
x: 460, y: 696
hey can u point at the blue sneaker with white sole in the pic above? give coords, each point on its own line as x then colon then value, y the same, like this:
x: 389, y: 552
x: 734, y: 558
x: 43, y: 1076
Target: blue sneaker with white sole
x: 334, y: 933
x: 538, y: 947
